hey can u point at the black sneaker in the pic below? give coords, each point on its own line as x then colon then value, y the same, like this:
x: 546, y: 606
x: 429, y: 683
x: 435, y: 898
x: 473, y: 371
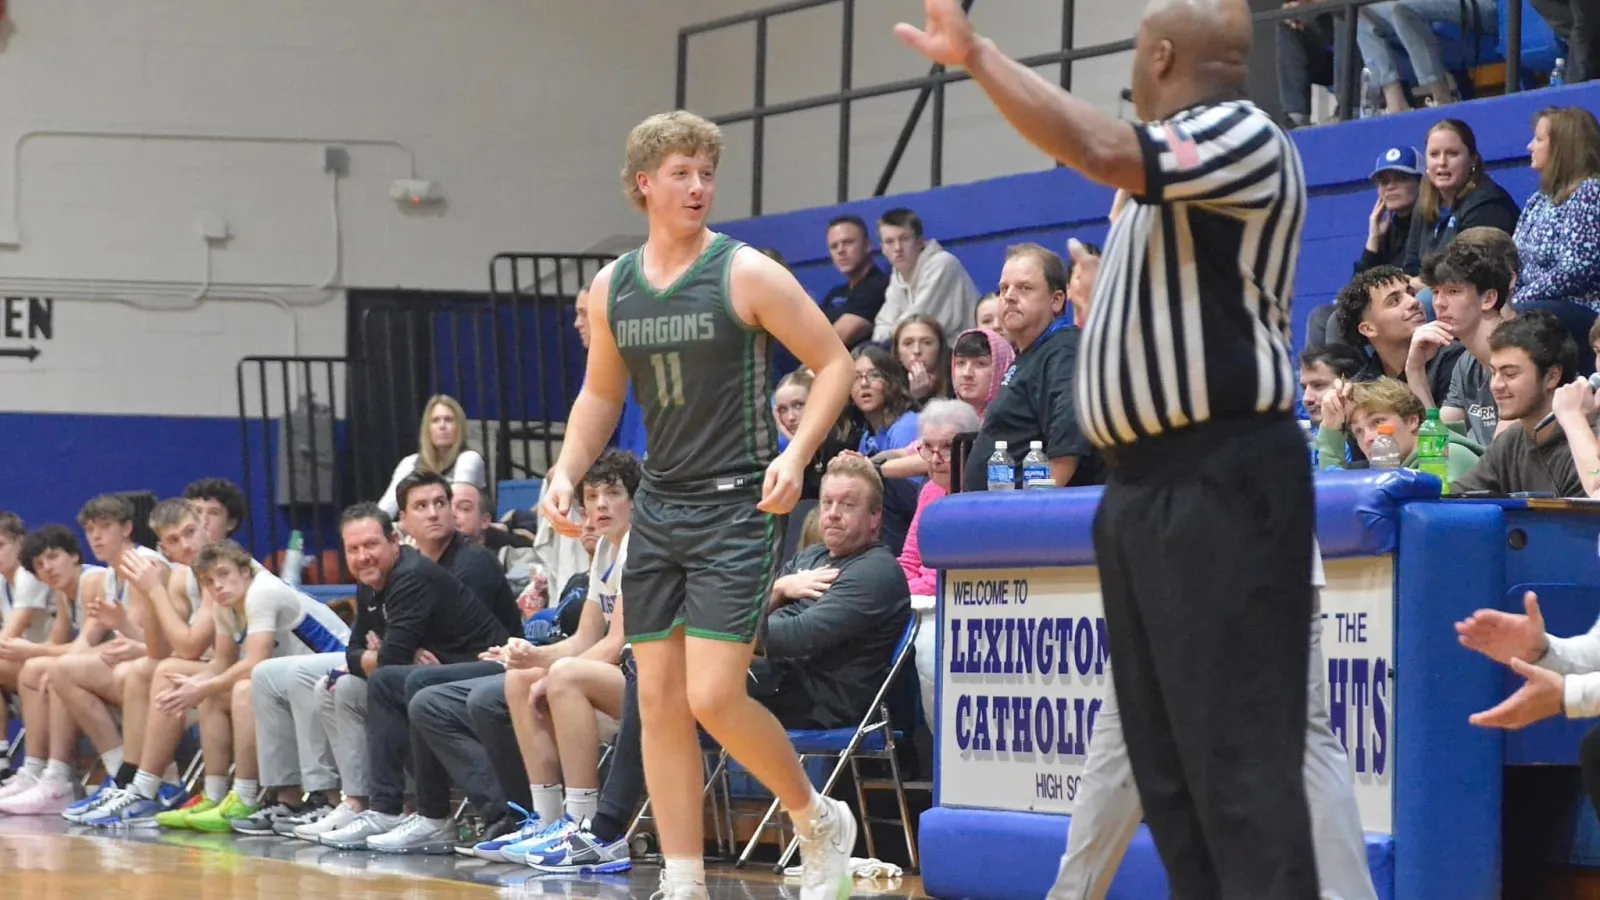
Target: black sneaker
x: 506, y: 824
x: 313, y: 811
x: 260, y: 824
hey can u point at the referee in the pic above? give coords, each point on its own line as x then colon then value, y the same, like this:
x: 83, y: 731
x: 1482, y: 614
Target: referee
x: 1204, y: 535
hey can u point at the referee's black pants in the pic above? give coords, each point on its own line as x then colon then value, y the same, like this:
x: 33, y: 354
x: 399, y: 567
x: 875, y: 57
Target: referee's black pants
x: 1203, y: 541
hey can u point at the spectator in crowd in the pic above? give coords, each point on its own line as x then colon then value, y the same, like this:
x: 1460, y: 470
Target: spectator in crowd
x: 1037, y: 399
x: 1531, y: 357
x: 1456, y: 194
x: 1361, y: 407
x: 409, y: 611
x: 1577, y: 23
x: 1574, y: 407
x: 35, y: 620
x: 1594, y: 340
x: 442, y: 450
x: 789, y: 401
x: 919, y: 344
x: 1306, y: 55
x: 1470, y: 289
x: 939, y: 425
x: 924, y: 278
x: 1398, y: 177
x: 987, y: 315
x: 1410, y: 21
x: 853, y: 306
x: 882, y: 398
x: 835, y: 613
x: 1558, y: 236
x: 1380, y: 317
x: 1322, y: 369
x: 978, y: 362
x: 222, y: 506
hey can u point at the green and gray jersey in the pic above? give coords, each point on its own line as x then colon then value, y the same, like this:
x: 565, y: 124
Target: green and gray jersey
x: 702, y: 377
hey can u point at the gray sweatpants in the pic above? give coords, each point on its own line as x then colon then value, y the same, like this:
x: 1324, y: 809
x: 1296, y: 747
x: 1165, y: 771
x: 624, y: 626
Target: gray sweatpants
x: 293, y: 745
x: 1108, y: 809
x: 344, y: 716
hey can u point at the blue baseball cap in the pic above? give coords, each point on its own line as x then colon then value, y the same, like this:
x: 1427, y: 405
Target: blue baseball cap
x: 1398, y: 159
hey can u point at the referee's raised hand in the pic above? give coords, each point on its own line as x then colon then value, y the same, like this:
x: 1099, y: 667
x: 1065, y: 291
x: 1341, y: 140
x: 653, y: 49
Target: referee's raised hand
x: 948, y: 38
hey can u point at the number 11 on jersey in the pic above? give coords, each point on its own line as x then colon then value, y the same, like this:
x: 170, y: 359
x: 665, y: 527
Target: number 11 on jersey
x: 669, y: 378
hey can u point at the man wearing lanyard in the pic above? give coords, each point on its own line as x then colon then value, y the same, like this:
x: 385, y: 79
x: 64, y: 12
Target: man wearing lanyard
x: 1204, y: 535
x: 1036, y: 398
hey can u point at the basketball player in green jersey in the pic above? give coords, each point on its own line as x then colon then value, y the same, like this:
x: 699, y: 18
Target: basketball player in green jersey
x: 690, y: 318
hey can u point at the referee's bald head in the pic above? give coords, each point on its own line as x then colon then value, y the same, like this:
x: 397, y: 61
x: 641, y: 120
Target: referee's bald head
x: 1190, y: 51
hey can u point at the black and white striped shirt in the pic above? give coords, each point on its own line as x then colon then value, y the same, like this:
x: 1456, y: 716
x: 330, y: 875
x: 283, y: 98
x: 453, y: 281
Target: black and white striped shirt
x: 1190, y: 315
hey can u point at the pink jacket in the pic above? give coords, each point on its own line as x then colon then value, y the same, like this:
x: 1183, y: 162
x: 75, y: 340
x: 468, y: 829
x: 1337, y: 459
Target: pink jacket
x: 923, y: 580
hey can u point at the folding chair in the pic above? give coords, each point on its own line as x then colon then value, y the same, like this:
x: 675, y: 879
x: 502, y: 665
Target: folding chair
x: 873, y: 739
x: 721, y: 819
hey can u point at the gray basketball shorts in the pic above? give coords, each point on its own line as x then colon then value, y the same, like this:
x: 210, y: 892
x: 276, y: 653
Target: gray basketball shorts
x: 705, y: 567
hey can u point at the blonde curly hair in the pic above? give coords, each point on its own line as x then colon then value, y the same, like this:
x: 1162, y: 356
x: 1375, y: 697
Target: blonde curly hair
x: 661, y: 135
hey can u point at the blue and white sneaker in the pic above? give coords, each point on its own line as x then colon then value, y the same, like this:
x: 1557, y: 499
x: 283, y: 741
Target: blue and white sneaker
x: 125, y: 809
x: 77, y: 812
x: 490, y: 850
x: 552, y: 831
x: 581, y: 853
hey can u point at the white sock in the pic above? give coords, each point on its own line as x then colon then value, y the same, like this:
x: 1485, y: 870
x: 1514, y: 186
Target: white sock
x: 112, y: 760
x: 146, y: 785
x: 582, y: 803
x: 805, y: 820
x: 56, y: 770
x: 5, y: 747
x: 248, y: 790
x: 33, y: 766
x: 691, y: 870
x: 170, y: 776
x: 216, y: 789
x: 546, y: 801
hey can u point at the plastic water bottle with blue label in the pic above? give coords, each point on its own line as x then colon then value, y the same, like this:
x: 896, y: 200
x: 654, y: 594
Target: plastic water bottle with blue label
x: 1036, y: 468
x: 1002, y: 471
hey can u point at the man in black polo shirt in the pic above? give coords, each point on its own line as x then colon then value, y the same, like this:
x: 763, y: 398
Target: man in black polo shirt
x: 1036, y: 399
x: 853, y: 305
x: 425, y: 501
x: 426, y: 617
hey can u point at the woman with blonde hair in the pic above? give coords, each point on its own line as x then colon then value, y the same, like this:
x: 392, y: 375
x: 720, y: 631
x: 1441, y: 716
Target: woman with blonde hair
x: 441, y: 448
x: 1558, y: 236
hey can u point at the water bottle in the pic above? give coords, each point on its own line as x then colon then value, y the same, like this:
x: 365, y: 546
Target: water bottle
x: 1368, y: 109
x: 1002, y: 470
x: 1036, y: 468
x: 1558, y: 74
x: 1433, y: 450
x: 294, y: 559
x: 1385, y: 450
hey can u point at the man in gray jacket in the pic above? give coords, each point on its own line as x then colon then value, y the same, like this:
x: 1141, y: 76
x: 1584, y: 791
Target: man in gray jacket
x: 925, y: 278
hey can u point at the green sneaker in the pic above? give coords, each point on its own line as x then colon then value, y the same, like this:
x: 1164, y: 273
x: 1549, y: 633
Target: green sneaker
x: 179, y: 818
x: 220, y: 819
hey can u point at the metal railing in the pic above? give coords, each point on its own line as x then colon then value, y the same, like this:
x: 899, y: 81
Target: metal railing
x: 932, y: 86
x: 294, y: 403
x: 541, y: 287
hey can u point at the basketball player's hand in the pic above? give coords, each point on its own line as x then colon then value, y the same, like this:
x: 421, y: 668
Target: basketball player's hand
x: 519, y: 654
x: 15, y: 649
x: 781, y: 489
x: 119, y: 649
x: 557, y: 504
x: 1504, y: 636
x: 186, y: 693
x: 539, y: 691
x: 1542, y: 696
x: 948, y: 37
x: 141, y: 571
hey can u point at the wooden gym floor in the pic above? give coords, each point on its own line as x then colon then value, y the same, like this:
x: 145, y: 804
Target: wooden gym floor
x: 45, y: 858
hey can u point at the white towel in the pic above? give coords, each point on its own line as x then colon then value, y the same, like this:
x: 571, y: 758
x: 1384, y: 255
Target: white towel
x: 860, y: 868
